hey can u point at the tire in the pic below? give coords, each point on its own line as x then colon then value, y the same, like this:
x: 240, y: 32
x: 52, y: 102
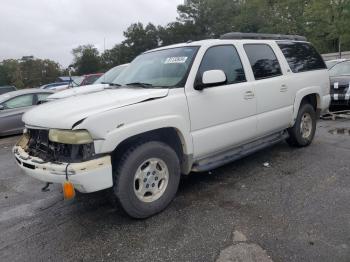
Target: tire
x: 142, y: 186
x: 299, y: 136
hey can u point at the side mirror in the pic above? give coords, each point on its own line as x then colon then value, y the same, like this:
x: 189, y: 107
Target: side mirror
x: 211, y: 78
x: 2, y: 107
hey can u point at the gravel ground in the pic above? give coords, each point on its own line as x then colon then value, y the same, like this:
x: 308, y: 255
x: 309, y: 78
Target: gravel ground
x: 297, y: 209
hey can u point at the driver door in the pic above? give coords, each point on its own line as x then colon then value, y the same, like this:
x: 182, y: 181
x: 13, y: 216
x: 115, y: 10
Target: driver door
x: 11, y: 115
x: 222, y: 116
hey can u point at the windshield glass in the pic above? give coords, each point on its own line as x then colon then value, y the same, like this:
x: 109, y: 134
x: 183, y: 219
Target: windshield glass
x: 76, y: 81
x: 110, y: 75
x: 340, y: 69
x: 163, y: 68
x: 330, y: 64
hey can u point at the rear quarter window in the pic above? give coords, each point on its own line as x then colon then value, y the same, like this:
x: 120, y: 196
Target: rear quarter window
x: 263, y: 61
x: 301, y: 57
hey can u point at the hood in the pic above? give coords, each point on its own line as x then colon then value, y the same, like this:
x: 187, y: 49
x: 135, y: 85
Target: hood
x: 77, y: 91
x: 341, y: 80
x: 64, y: 113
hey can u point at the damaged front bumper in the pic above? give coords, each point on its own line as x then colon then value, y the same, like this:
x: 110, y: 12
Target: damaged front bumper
x: 89, y: 176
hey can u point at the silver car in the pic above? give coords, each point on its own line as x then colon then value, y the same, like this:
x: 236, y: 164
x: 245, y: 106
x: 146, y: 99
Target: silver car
x: 14, y: 104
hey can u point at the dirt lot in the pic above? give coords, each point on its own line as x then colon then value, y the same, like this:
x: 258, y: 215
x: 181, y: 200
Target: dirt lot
x: 298, y: 209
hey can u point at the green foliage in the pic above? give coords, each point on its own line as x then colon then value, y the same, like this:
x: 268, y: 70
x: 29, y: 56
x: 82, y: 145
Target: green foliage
x: 86, y: 59
x: 28, y: 73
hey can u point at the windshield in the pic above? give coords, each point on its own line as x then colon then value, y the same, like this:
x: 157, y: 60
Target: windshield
x: 330, y: 64
x: 110, y: 75
x: 163, y: 68
x: 340, y: 69
x: 76, y: 81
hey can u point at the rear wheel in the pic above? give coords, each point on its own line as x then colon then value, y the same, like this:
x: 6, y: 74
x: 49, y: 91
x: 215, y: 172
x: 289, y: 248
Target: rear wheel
x: 147, y: 178
x: 303, y: 131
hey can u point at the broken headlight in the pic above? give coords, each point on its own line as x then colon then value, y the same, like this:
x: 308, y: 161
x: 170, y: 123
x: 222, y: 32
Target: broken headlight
x: 71, y: 137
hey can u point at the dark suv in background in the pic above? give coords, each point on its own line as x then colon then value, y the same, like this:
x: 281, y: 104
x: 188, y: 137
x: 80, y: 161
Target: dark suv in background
x: 340, y: 83
x: 6, y: 89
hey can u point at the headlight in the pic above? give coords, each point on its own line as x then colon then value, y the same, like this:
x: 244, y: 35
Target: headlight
x: 73, y: 137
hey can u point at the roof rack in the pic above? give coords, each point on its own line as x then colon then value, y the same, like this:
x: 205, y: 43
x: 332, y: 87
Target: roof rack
x: 238, y: 35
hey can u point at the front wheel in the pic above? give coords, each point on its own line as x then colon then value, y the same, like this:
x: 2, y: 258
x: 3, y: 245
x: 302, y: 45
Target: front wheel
x: 303, y: 131
x: 147, y: 178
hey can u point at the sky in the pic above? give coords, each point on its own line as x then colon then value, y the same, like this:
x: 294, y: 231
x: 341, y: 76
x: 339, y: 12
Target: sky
x: 52, y: 28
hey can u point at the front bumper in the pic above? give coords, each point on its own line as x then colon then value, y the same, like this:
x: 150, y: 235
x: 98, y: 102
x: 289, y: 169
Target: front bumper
x: 340, y: 99
x: 87, y: 177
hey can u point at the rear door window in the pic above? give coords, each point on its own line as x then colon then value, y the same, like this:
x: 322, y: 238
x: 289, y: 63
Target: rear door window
x: 263, y: 61
x: 301, y: 57
x: 225, y: 58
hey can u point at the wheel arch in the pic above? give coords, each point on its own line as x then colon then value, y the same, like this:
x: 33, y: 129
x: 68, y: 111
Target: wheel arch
x: 168, y: 135
x: 309, y: 95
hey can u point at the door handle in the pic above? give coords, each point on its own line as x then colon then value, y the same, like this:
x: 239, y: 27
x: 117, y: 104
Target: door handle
x: 283, y: 88
x: 248, y: 95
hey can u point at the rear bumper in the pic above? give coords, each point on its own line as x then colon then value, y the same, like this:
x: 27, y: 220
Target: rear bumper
x: 87, y: 177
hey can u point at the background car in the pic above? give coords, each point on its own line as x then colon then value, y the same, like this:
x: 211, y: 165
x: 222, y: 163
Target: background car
x: 53, y: 86
x: 340, y: 83
x: 90, y: 79
x: 6, y: 89
x: 104, y: 81
x: 111, y: 74
x: 331, y: 63
x: 14, y: 104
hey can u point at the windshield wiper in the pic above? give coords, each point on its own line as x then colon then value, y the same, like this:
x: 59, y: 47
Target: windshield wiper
x: 145, y: 85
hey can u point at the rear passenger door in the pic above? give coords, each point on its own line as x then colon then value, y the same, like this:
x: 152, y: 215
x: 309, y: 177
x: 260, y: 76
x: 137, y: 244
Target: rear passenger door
x: 273, y: 94
x: 222, y: 116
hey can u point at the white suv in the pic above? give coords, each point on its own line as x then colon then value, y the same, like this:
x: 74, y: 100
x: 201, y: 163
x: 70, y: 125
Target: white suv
x: 177, y: 109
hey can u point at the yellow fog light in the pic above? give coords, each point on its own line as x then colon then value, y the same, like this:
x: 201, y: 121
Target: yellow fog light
x: 73, y: 137
x: 68, y: 190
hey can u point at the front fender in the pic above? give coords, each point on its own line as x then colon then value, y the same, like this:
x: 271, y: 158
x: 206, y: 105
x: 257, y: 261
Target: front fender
x: 118, y: 135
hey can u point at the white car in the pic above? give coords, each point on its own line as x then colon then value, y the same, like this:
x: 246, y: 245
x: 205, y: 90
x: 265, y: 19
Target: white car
x: 99, y: 85
x: 178, y: 109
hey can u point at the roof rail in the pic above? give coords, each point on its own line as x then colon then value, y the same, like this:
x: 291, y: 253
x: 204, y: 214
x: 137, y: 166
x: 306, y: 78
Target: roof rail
x: 239, y: 35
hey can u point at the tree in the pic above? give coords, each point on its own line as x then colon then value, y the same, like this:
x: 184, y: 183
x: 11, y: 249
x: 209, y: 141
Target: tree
x: 138, y: 39
x: 28, y: 73
x: 328, y: 24
x: 86, y: 59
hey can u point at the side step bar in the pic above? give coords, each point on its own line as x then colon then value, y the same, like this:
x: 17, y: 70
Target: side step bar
x: 236, y: 153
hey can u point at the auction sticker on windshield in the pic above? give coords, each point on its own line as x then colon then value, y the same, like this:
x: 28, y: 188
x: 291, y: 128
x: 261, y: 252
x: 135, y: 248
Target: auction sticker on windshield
x: 176, y: 60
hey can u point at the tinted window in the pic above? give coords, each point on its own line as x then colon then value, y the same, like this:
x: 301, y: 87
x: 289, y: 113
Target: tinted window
x: 4, y: 90
x: 340, y: 69
x: 19, y: 101
x: 302, y: 57
x: 263, y: 61
x: 223, y: 58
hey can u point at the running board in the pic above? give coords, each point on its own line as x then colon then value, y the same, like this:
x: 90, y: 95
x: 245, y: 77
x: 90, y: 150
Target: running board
x: 236, y: 153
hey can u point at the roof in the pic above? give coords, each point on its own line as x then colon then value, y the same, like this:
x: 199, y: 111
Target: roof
x: 239, y: 35
x: 7, y: 87
x: 23, y: 92
x: 64, y: 78
x: 95, y: 74
x: 208, y: 42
